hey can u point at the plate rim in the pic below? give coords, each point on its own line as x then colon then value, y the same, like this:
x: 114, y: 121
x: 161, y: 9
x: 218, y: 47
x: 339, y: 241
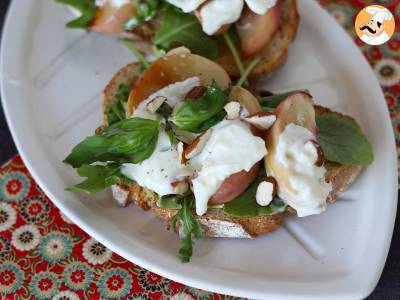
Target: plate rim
x: 362, y: 290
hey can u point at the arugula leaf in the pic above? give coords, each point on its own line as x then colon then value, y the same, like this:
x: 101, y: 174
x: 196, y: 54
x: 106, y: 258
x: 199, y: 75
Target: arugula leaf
x: 202, y: 113
x: 189, y: 225
x: 98, y: 178
x: 145, y: 11
x: 87, y: 8
x: 170, y: 202
x: 129, y: 140
x: 116, y: 111
x: 178, y: 28
x: 271, y: 102
x: 245, y: 205
x: 144, y: 64
x: 342, y: 141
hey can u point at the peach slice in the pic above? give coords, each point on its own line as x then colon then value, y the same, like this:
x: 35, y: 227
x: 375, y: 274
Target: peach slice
x: 298, y: 109
x: 173, y: 68
x: 256, y: 31
x: 246, y: 99
x: 110, y: 20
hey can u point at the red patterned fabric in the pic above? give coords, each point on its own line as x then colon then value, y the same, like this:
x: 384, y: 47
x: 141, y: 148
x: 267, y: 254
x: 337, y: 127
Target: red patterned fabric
x: 43, y: 255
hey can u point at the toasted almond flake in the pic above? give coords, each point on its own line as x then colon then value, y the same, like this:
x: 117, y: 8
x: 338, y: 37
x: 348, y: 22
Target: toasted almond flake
x: 233, y: 110
x: 197, y: 145
x: 262, y: 120
x: 155, y: 103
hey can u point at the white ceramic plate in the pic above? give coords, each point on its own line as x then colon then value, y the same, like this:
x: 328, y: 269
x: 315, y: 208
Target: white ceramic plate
x: 52, y: 79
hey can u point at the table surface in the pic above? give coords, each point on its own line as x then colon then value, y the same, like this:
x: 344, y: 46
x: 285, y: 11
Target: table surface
x: 389, y: 284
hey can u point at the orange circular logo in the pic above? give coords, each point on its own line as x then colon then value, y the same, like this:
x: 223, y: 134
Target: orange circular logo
x: 375, y: 25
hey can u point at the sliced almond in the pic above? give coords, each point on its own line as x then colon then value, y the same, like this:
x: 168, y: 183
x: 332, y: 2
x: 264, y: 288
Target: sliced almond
x: 178, y: 50
x: 155, y: 103
x: 196, y: 92
x: 318, y: 154
x: 266, y: 191
x: 233, y: 110
x: 198, y: 145
x: 180, y: 147
x: 261, y: 120
x: 180, y: 187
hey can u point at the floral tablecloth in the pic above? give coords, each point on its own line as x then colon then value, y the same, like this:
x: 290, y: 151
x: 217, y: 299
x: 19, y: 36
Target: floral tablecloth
x: 43, y: 255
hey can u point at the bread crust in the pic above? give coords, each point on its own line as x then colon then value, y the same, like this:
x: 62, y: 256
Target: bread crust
x: 215, y: 223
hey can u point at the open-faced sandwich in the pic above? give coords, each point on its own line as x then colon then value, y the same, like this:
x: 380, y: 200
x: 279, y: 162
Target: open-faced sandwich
x: 213, y: 158
x: 236, y: 33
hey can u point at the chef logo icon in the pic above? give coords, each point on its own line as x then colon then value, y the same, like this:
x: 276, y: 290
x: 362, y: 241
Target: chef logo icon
x: 375, y: 25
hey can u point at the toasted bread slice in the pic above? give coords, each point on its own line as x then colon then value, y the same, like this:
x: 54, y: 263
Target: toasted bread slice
x: 215, y: 223
x: 273, y: 56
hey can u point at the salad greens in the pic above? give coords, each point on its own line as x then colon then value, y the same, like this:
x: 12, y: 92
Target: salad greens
x: 98, y: 177
x: 181, y: 29
x: 129, y: 140
x: 342, y: 141
x: 245, y: 205
x: 170, y: 202
x: 189, y: 226
x: 144, y: 64
x: 271, y: 102
x: 117, y: 110
x: 145, y: 11
x: 87, y: 8
x: 200, y: 114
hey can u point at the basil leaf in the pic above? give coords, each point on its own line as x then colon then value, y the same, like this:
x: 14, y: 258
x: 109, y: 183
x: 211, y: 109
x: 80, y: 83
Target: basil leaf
x: 342, y: 141
x: 274, y: 100
x: 117, y: 110
x: 98, y: 178
x: 245, y: 205
x: 170, y: 202
x: 87, y: 8
x: 200, y: 114
x: 129, y: 140
x: 145, y: 11
x: 189, y: 226
x: 178, y: 28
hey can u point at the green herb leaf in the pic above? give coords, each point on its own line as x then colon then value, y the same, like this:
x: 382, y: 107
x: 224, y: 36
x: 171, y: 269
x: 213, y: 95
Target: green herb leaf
x: 145, y: 11
x: 342, y: 141
x: 144, y: 64
x: 87, y: 8
x: 117, y: 111
x: 98, y: 178
x: 189, y: 225
x: 129, y: 140
x: 200, y: 114
x: 246, y: 205
x: 180, y: 29
x: 271, y: 102
x: 170, y: 202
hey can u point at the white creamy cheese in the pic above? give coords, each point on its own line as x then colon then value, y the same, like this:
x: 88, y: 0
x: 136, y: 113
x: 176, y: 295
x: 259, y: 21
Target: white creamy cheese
x: 216, y: 13
x: 159, y: 171
x: 231, y: 148
x: 113, y: 3
x: 187, y: 5
x: 297, y: 154
x: 260, y: 6
x: 174, y: 93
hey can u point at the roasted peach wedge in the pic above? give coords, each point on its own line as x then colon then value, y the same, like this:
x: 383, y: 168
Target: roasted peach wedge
x: 256, y: 31
x: 299, y: 110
